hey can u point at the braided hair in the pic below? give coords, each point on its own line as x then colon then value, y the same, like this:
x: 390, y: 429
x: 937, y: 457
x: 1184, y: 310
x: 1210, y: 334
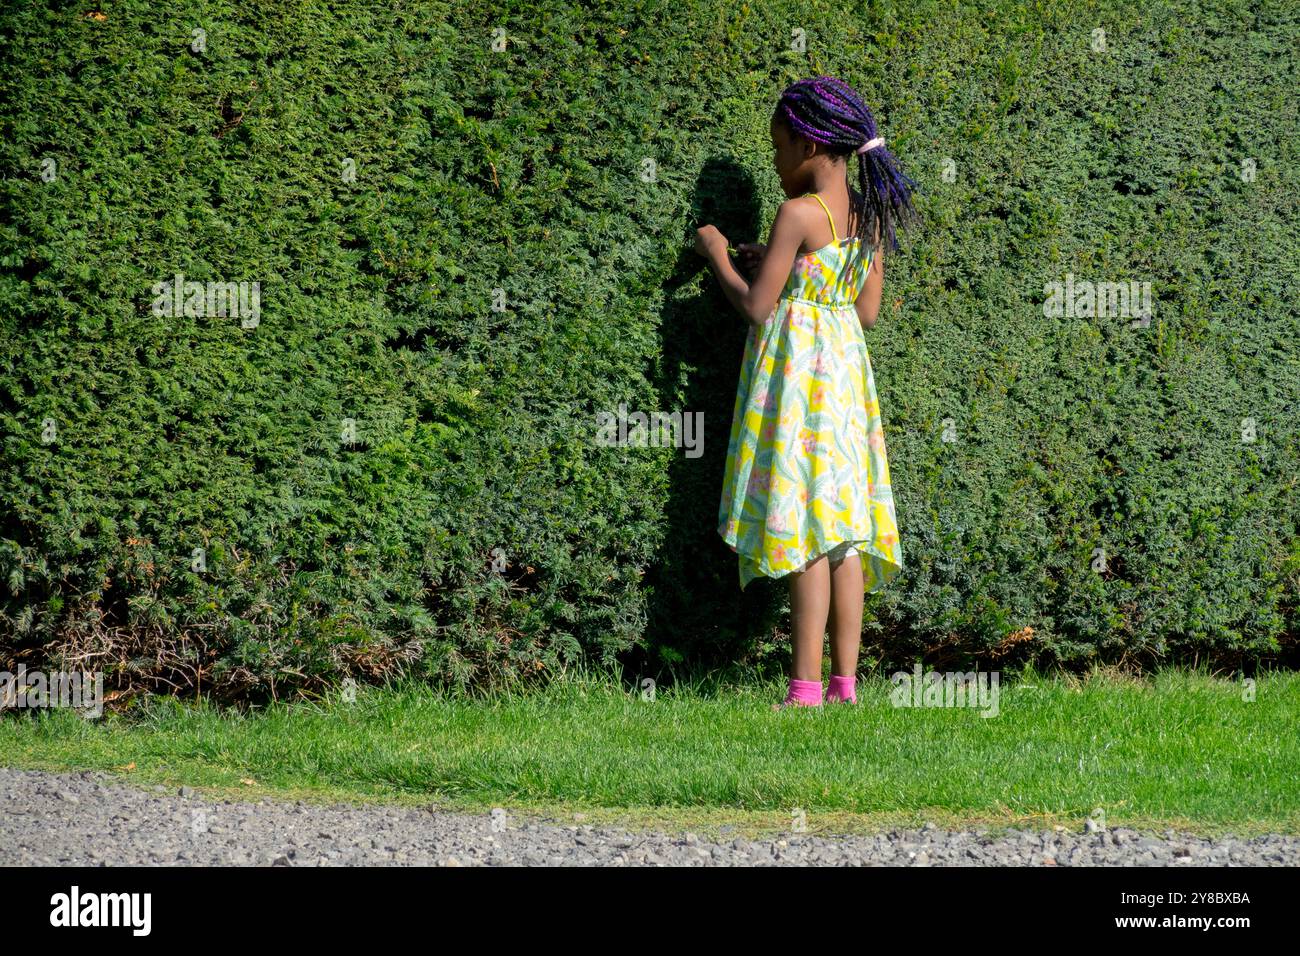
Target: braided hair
x: 827, y: 111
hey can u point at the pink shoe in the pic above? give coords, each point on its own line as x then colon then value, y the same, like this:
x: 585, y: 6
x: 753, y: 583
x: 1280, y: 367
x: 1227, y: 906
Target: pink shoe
x: 842, y: 690
x: 803, y: 693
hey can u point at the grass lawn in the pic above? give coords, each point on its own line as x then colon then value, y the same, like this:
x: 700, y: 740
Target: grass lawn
x: 1182, y: 750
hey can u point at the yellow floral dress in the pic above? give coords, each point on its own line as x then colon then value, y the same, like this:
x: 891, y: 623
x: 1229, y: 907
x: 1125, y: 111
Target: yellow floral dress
x: 806, y: 472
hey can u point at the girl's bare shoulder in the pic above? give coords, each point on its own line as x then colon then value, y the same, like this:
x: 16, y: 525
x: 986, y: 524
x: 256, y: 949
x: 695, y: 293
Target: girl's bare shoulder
x: 798, y: 214
x: 800, y: 207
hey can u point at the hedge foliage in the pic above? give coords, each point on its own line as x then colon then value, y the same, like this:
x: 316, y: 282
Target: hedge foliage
x: 465, y: 253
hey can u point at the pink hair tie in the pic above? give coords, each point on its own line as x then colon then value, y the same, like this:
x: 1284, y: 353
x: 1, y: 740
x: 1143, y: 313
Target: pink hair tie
x: 871, y: 144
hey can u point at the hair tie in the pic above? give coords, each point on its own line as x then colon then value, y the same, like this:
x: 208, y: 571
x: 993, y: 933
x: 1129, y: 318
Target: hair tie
x: 871, y: 144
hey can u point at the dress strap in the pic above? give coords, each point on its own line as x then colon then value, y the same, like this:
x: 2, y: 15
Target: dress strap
x: 834, y: 236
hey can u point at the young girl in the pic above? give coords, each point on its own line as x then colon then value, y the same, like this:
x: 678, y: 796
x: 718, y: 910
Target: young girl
x: 806, y: 492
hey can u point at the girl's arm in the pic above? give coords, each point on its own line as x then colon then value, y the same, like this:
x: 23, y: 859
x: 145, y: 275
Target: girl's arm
x: 867, y: 303
x: 868, y: 300
x: 756, y: 300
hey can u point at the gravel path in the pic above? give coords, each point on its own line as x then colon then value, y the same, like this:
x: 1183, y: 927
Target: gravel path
x: 88, y: 819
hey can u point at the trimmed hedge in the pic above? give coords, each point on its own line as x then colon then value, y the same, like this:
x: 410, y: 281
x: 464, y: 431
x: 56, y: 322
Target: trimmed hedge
x: 465, y: 254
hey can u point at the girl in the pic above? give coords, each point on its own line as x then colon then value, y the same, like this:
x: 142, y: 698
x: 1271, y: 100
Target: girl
x: 806, y: 492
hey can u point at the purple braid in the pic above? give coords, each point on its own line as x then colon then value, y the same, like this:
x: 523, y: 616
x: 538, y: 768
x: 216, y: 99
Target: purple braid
x: 826, y: 110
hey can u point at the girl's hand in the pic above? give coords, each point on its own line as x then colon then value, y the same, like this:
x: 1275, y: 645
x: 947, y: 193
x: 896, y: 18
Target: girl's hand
x: 706, y: 237
x: 751, y: 256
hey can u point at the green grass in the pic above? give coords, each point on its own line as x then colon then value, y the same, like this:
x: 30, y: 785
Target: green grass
x: 1181, y: 750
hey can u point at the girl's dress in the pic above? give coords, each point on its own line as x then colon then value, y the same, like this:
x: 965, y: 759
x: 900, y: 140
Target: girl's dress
x: 806, y: 472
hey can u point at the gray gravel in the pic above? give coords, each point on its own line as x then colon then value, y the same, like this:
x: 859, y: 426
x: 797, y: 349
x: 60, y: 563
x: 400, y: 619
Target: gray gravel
x: 89, y: 819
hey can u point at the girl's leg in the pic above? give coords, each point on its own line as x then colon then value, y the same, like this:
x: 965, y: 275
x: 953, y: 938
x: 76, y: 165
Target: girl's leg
x: 846, y: 615
x: 810, y: 598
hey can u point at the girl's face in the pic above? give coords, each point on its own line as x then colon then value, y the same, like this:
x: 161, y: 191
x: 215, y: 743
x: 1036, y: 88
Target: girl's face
x: 790, y: 156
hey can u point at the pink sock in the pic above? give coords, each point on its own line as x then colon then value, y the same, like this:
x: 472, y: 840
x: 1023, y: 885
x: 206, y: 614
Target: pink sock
x: 808, y: 692
x: 842, y: 688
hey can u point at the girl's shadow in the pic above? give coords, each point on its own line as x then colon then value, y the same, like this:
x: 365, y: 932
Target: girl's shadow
x: 698, y: 616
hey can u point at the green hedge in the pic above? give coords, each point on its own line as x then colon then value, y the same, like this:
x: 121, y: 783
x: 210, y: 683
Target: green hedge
x: 512, y: 257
